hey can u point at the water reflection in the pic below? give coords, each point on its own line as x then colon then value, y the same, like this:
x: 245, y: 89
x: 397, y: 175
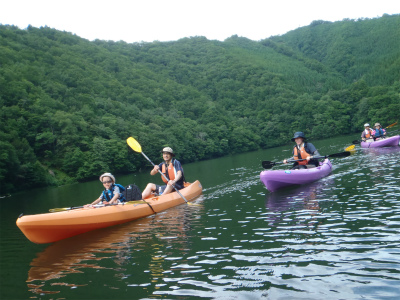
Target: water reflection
x: 380, y: 151
x: 286, y: 203
x: 112, y: 249
x: 304, y: 195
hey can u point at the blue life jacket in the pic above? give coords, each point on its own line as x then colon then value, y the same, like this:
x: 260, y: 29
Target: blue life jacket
x: 378, y: 132
x: 109, y: 194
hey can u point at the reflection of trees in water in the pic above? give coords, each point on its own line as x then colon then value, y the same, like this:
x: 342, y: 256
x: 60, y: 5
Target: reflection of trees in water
x: 142, y: 243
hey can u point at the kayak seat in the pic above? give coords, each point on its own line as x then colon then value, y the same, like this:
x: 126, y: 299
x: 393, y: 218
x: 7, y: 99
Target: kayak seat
x: 132, y: 192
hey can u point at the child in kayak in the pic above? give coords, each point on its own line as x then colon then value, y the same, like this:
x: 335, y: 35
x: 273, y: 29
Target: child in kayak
x: 172, y: 169
x: 367, y: 133
x: 379, y: 132
x: 303, y: 150
x: 112, y: 194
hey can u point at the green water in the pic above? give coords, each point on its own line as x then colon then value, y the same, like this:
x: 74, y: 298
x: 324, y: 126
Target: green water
x: 337, y: 238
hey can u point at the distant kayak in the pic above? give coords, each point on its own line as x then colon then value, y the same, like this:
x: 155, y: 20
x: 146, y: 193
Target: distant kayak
x: 276, y: 179
x: 387, y: 142
x: 52, y: 227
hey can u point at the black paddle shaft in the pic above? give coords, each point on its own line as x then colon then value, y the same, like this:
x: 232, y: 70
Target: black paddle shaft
x: 266, y: 164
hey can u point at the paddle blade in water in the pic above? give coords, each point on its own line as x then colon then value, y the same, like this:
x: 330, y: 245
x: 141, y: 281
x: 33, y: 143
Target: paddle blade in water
x: 349, y: 148
x: 134, y: 144
x: 267, y: 164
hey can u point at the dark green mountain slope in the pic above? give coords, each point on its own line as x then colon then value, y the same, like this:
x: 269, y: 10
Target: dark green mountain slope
x: 358, y: 49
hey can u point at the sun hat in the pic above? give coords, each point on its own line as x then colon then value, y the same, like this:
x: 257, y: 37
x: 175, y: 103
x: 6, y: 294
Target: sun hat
x: 377, y: 124
x: 169, y: 150
x: 107, y: 175
x: 366, y: 125
x: 298, y: 134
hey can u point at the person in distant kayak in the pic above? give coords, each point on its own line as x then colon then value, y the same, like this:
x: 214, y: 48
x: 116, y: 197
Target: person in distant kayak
x: 112, y: 194
x: 303, y: 150
x: 172, y: 169
x: 379, y: 132
x: 367, y: 132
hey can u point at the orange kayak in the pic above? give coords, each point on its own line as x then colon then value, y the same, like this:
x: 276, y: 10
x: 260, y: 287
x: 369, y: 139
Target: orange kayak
x: 52, y: 227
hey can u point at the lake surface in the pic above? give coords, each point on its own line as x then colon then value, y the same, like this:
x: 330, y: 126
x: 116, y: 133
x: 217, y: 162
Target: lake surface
x: 337, y: 238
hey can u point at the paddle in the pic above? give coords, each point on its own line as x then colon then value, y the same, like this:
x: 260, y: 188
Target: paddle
x: 349, y: 148
x: 64, y: 208
x: 134, y: 144
x: 391, y: 125
x: 269, y: 164
x: 96, y: 206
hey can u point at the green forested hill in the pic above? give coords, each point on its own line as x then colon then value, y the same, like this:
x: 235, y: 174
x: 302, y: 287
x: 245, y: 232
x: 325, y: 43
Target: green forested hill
x: 365, y: 49
x: 68, y: 104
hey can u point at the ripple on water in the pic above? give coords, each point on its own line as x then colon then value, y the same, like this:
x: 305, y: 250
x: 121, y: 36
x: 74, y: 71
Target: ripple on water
x: 335, y: 239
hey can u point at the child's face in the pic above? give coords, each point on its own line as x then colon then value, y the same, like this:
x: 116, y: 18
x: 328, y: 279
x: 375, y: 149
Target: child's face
x: 107, y: 181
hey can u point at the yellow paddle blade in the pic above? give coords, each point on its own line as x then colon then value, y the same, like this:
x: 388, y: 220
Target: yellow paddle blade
x: 64, y: 208
x: 349, y: 148
x: 134, y: 144
x: 194, y: 204
x: 58, y: 209
x: 135, y: 202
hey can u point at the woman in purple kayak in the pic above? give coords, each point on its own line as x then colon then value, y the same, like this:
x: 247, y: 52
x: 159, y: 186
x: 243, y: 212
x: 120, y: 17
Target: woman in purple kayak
x: 303, y: 150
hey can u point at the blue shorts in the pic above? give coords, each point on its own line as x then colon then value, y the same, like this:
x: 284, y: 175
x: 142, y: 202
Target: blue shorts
x: 161, y: 188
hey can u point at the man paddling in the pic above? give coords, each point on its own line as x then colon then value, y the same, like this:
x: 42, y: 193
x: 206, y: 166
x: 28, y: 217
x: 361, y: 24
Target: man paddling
x: 303, y: 150
x: 172, y: 169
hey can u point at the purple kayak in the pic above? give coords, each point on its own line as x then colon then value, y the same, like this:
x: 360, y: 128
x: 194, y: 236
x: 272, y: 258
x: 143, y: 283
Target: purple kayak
x: 387, y: 142
x: 276, y: 179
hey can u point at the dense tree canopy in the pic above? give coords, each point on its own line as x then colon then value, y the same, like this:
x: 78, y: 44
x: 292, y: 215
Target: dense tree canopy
x: 68, y: 104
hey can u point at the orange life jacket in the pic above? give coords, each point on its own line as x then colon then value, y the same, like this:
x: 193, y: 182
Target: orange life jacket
x: 303, y: 154
x: 171, y: 172
x: 369, y: 134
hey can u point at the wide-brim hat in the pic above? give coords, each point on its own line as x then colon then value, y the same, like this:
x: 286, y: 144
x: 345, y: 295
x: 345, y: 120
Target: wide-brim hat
x: 298, y: 134
x: 377, y: 124
x: 366, y: 125
x: 107, y: 175
x: 169, y: 150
